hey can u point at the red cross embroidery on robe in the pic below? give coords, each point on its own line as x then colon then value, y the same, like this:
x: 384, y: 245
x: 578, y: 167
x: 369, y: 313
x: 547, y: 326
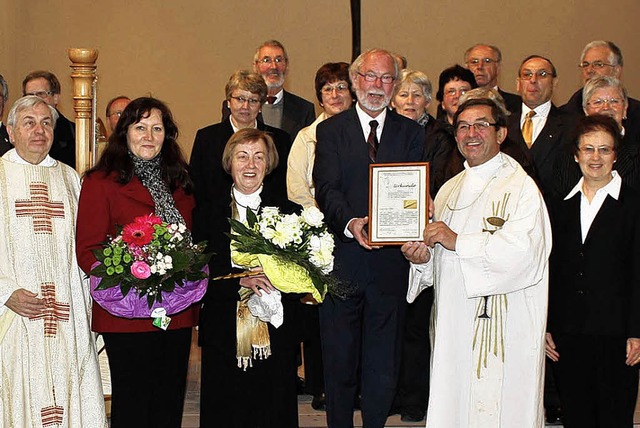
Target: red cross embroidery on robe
x: 40, y: 208
x: 51, y: 416
x: 53, y: 312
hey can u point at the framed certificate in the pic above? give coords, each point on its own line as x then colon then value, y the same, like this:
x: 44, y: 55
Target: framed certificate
x: 398, y: 202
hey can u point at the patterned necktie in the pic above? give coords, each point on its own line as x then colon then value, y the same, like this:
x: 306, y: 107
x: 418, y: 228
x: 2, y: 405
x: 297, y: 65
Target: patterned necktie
x: 527, y: 128
x: 372, y: 140
x: 271, y: 99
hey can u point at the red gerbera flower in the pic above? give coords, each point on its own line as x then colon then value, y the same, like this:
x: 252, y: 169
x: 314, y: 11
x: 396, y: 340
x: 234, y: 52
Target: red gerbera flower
x: 138, y: 234
x: 149, y: 219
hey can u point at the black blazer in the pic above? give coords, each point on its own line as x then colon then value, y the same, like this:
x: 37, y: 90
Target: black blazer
x: 5, y: 144
x: 557, y: 134
x: 594, y: 288
x: 208, y: 146
x: 341, y: 174
x: 64, y: 141
x: 511, y: 101
x: 297, y: 113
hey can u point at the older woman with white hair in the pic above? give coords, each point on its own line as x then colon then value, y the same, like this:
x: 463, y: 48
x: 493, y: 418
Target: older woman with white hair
x: 607, y: 96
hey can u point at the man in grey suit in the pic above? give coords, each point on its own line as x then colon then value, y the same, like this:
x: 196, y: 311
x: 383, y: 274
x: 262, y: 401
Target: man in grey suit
x: 283, y: 109
x: 537, y: 126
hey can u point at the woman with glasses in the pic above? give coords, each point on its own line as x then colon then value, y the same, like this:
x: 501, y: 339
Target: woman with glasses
x: 605, y: 95
x: 245, y: 93
x: 335, y: 95
x: 593, y: 331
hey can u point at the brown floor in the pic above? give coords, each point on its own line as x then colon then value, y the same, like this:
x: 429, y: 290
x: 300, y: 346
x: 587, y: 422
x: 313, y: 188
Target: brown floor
x: 309, y: 418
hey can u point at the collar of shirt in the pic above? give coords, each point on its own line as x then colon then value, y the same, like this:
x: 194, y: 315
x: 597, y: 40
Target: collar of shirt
x: 13, y: 156
x: 279, y: 96
x: 540, y: 118
x: 487, y: 169
x: 365, y: 119
x: 611, y: 188
x: 236, y: 129
x: 251, y: 200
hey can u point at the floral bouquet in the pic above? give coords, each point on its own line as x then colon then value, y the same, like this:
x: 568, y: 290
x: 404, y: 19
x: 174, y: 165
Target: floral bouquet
x: 155, y: 259
x: 294, y: 251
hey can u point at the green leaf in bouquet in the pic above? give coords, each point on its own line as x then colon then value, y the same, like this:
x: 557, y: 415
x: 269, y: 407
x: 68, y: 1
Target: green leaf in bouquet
x: 125, y: 287
x: 239, y: 227
x: 252, y: 219
x: 180, y: 261
x: 107, y: 282
x: 100, y: 271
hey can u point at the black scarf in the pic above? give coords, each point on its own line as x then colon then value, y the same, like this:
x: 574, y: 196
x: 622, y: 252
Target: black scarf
x: 150, y: 174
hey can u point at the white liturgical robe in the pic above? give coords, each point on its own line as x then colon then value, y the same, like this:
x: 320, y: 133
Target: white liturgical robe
x: 488, y: 358
x: 49, y: 375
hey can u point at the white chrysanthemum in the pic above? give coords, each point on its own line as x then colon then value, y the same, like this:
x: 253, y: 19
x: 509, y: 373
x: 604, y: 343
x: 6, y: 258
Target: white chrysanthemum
x: 182, y: 228
x: 312, y: 216
x: 285, y: 232
x: 168, y: 259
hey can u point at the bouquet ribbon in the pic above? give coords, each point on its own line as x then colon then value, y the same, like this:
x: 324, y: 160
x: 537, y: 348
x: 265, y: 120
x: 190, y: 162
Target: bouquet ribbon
x: 133, y: 306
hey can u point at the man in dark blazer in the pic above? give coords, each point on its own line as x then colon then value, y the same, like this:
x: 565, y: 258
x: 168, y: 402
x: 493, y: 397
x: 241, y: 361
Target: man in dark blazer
x: 283, y: 109
x: 603, y: 58
x: 5, y: 144
x: 484, y: 62
x: 46, y: 85
x: 552, y: 128
x: 361, y: 334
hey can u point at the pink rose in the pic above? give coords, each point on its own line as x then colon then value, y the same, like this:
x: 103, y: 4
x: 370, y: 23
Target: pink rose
x: 140, y: 270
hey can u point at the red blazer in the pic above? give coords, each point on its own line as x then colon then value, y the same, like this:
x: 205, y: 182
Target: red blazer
x: 105, y: 204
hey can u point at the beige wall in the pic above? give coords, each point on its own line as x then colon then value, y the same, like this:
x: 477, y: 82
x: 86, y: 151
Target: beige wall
x: 184, y: 51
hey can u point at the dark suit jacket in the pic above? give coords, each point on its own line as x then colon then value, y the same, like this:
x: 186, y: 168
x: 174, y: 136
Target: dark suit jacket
x: 206, y: 156
x: 512, y: 101
x: 594, y: 287
x: 64, y: 141
x: 341, y: 174
x: 5, y: 144
x: 104, y: 205
x: 297, y: 113
x: 557, y: 133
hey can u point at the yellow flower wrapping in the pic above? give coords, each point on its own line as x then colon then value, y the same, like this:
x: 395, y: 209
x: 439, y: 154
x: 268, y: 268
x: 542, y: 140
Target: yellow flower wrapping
x: 285, y: 276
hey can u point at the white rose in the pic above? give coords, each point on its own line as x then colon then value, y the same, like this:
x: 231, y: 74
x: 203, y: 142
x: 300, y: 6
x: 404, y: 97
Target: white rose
x: 312, y: 216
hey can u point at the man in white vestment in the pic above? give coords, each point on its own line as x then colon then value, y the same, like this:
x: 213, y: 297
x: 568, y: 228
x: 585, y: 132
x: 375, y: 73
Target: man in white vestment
x: 486, y: 253
x: 49, y: 375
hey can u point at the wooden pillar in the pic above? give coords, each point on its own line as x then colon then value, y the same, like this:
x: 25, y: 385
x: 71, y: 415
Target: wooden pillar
x: 83, y: 64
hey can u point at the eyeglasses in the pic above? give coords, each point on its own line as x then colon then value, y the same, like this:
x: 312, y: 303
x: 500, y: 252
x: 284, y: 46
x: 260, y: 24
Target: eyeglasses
x: 40, y: 94
x: 463, y: 128
x: 115, y: 113
x: 339, y: 88
x: 486, y: 61
x: 241, y: 100
x: 600, y: 102
x: 590, y: 150
x: 595, y: 64
x: 540, y: 74
x: 269, y: 60
x: 372, y: 77
x: 452, y: 91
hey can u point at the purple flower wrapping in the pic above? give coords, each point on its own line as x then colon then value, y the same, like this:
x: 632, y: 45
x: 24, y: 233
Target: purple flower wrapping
x: 132, y: 306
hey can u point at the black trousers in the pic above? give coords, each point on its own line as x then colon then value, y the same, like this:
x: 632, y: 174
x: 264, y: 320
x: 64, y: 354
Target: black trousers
x: 596, y: 387
x: 361, y: 336
x: 309, y: 334
x: 262, y: 396
x: 413, y: 384
x: 148, y: 377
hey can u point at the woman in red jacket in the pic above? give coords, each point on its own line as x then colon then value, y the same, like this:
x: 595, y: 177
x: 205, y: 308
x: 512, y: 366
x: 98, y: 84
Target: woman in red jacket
x: 141, y: 171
